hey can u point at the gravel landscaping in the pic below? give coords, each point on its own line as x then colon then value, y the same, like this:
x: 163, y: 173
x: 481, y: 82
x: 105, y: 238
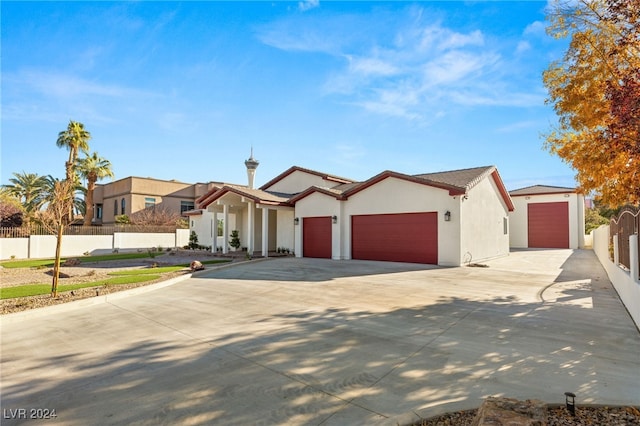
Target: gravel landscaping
x: 88, y: 272
x: 557, y: 416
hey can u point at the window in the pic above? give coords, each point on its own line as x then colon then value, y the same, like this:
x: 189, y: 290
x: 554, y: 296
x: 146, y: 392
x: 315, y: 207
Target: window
x: 220, y: 227
x: 98, y: 211
x: 123, y: 205
x: 185, y: 206
x: 149, y: 202
x: 505, y: 225
x: 115, y: 207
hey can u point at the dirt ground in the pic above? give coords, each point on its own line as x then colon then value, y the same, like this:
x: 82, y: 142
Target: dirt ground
x: 88, y: 272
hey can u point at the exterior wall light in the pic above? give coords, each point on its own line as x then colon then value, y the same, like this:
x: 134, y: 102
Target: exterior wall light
x: 334, y: 219
x: 296, y: 221
x: 447, y: 216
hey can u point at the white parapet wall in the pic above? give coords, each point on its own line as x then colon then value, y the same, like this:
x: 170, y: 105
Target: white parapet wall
x: 14, y: 248
x: 44, y: 246
x: 626, y: 283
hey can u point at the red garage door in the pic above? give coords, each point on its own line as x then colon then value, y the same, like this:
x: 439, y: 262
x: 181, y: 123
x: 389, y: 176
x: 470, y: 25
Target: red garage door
x: 548, y: 225
x: 316, y: 237
x: 406, y: 237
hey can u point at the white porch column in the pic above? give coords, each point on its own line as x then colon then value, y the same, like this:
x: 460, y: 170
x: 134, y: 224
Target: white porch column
x: 250, y: 227
x: 265, y: 232
x: 214, y: 233
x: 225, y: 229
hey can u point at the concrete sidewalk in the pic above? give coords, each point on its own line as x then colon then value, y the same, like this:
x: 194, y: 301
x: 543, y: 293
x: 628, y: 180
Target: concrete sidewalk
x: 321, y: 342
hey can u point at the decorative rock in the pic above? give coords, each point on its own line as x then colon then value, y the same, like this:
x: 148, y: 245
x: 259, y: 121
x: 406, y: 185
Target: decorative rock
x: 511, y: 412
x: 196, y: 266
x: 71, y: 262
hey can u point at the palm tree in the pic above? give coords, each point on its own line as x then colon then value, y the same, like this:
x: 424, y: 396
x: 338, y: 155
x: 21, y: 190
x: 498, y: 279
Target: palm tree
x: 92, y: 168
x: 76, y: 139
x: 48, y: 189
x: 29, y: 188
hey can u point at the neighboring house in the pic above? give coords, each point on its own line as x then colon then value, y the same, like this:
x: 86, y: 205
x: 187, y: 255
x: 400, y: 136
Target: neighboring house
x: 132, y: 194
x: 447, y: 218
x: 547, y: 217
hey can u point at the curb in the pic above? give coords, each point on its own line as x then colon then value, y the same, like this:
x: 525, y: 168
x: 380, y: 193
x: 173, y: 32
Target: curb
x: 98, y: 300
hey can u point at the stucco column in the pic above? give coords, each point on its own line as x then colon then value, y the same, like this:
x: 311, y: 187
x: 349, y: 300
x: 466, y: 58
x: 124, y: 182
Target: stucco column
x: 250, y: 227
x: 265, y: 232
x: 225, y: 229
x: 214, y: 233
x: 616, y: 252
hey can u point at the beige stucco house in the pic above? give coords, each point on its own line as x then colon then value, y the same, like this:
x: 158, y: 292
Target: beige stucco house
x: 132, y: 194
x: 547, y: 217
x: 446, y: 218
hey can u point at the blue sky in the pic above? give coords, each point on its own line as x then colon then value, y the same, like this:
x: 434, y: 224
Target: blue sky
x: 184, y: 90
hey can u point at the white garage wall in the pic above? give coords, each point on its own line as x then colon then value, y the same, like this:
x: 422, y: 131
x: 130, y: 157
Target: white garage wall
x: 285, y: 229
x: 318, y: 204
x: 518, y: 218
x: 482, y: 223
x: 393, y: 195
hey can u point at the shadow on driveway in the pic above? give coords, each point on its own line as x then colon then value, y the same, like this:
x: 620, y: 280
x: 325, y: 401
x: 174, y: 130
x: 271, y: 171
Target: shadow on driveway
x: 341, y: 351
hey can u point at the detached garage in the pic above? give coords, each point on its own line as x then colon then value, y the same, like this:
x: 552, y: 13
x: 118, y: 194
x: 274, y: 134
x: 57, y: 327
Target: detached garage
x: 547, y: 217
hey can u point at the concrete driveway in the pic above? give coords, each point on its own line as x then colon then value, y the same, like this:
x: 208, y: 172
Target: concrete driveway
x: 321, y: 342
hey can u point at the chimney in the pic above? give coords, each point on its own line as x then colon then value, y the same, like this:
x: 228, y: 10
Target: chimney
x: 252, y: 165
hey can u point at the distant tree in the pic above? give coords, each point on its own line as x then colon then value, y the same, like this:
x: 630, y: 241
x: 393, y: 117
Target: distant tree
x: 28, y: 188
x: 122, y: 219
x: 54, y: 220
x: 92, y: 168
x: 49, y: 183
x: 11, y: 210
x: 76, y: 139
x: 593, y: 219
x: 157, y: 216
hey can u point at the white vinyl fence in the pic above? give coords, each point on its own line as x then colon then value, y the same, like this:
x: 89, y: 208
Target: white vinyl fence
x: 44, y: 246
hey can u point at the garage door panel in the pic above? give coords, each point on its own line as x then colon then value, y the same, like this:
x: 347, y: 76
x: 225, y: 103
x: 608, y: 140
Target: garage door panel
x: 548, y: 225
x: 316, y: 237
x: 407, y: 237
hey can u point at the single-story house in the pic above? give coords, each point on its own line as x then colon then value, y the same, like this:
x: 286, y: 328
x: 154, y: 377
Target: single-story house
x: 547, y: 217
x: 445, y: 218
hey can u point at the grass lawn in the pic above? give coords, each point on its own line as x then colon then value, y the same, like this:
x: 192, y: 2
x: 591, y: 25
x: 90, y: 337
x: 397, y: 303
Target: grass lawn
x: 37, y: 289
x: 34, y: 263
x: 129, y: 276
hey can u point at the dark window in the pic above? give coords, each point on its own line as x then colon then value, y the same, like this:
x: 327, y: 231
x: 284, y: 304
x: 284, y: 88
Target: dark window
x: 115, y: 207
x: 185, y: 206
x: 98, y: 211
x: 123, y: 205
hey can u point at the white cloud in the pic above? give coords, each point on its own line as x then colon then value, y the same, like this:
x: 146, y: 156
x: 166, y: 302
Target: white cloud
x: 537, y: 28
x: 371, y: 66
x: 415, y: 68
x: 308, y: 4
x: 523, y: 46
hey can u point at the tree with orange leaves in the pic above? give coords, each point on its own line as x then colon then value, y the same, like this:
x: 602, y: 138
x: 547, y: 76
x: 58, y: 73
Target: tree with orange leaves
x: 594, y: 89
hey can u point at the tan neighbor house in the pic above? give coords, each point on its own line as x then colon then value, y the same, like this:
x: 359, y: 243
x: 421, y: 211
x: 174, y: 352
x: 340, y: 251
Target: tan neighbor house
x: 132, y: 194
